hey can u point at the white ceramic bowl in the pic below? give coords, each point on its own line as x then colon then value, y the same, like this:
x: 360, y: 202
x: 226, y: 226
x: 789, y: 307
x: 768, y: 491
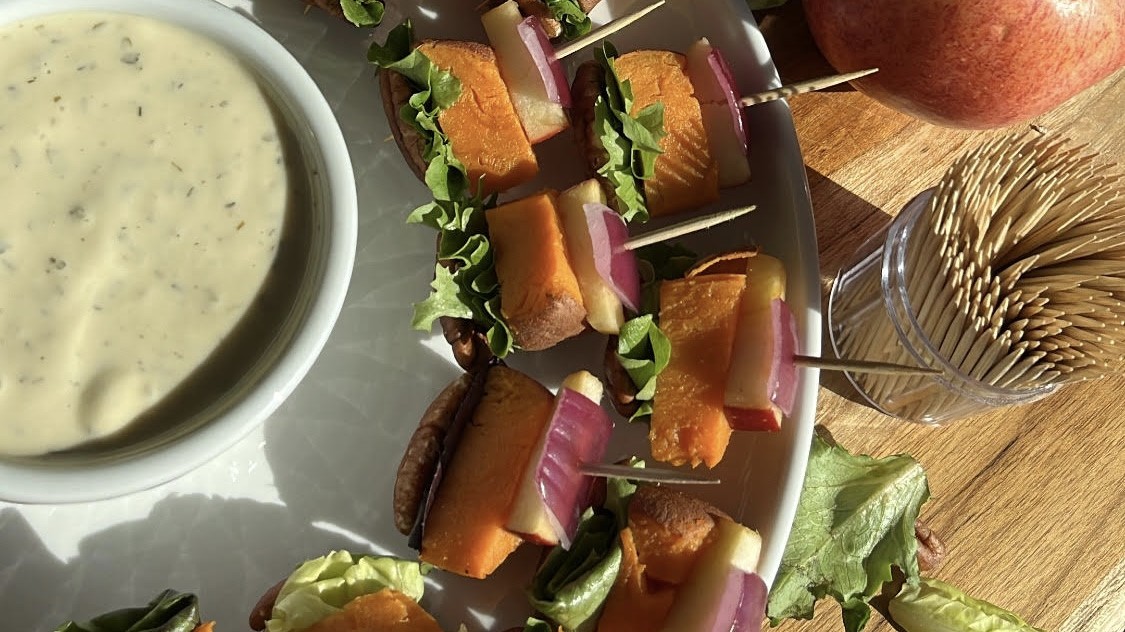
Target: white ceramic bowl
x: 306, y: 307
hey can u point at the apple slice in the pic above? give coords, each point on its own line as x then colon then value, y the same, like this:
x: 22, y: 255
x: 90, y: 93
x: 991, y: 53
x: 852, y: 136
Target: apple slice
x: 761, y: 381
x: 722, y: 593
x: 722, y: 113
x: 530, y: 70
x: 553, y: 491
x: 604, y: 311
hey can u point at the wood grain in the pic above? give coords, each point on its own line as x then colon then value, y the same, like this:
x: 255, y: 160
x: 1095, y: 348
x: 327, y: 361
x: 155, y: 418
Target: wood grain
x: 1030, y: 501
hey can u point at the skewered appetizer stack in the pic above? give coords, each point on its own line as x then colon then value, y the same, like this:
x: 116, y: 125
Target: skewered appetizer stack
x: 497, y: 459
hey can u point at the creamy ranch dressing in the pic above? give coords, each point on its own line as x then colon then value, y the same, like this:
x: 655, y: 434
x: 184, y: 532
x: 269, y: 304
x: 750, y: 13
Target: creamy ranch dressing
x: 144, y: 190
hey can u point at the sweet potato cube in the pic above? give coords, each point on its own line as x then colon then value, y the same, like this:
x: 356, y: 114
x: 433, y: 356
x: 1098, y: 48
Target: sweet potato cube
x: 670, y: 528
x: 686, y: 175
x: 465, y: 531
x: 387, y: 610
x: 632, y: 605
x: 699, y: 315
x: 539, y: 294
x: 482, y: 126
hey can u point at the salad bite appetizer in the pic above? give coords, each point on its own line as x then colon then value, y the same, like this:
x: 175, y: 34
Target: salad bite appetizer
x: 342, y: 592
x: 716, y: 355
x: 650, y: 559
x: 641, y: 123
x: 170, y: 611
x: 558, y: 19
x: 496, y: 461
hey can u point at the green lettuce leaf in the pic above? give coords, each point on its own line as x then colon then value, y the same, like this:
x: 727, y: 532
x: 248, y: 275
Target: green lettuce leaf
x: 444, y: 300
x: 470, y: 290
x: 642, y: 348
x: 323, y: 586
x: 935, y: 606
x: 170, y: 611
x: 632, y: 143
x: 363, y: 12
x: 619, y: 491
x: 659, y: 262
x: 571, y: 586
x: 643, y: 351
x: 855, y: 521
x: 575, y: 23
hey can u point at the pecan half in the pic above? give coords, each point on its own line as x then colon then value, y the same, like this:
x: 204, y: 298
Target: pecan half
x: 420, y: 460
x: 263, y: 610
x: 468, y: 342
x: 931, y: 550
x: 396, y: 91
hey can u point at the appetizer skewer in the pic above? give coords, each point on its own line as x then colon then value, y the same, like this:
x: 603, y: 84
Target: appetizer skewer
x: 652, y: 559
x: 475, y: 108
x: 729, y: 363
x: 679, y: 118
x: 495, y: 461
x: 565, y: 19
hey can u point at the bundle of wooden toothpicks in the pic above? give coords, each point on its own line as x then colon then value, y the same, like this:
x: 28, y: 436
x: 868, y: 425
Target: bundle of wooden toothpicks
x: 1015, y: 272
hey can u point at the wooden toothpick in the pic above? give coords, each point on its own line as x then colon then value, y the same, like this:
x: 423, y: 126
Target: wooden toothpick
x: 830, y: 364
x: 648, y: 474
x: 802, y: 87
x: 861, y: 366
x: 685, y: 228
x: 606, y: 30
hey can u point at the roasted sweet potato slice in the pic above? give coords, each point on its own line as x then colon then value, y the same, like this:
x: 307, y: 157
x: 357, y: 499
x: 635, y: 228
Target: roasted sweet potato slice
x: 482, y: 125
x: 699, y: 316
x: 686, y: 175
x: 465, y: 531
x: 384, y: 611
x: 539, y: 294
x: 633, y: 605
x: 669, y: 528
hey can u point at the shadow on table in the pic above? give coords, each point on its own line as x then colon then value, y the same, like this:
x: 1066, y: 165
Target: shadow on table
x: 844, y: 222
x: 226, y: 551
x: 335, y: 446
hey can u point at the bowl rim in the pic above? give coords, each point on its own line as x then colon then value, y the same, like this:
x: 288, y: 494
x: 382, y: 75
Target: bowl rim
x: 238, y: 33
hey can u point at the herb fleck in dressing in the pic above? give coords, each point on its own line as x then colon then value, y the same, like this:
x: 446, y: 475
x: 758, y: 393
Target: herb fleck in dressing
x: 144, y: 193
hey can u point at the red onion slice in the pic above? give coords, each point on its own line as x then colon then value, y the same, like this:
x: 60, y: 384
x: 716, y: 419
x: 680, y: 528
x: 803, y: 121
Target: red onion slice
x: 752, y: 609
x: 726, y: 610
x: 578, y: 433
x: 615, y: 264
x: 543, y: 54
x: 726, y: 84
x: 783, y: 373
x: 742, y: 604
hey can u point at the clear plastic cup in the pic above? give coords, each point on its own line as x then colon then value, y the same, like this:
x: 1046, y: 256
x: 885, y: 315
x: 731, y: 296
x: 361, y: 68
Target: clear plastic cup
x: 871, y: 316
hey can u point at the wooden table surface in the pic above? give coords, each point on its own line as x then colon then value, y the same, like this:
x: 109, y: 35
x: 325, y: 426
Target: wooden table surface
x: 1030, y: 501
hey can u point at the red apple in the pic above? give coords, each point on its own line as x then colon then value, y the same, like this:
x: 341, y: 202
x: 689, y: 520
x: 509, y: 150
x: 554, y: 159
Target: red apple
x: 972, y: 63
